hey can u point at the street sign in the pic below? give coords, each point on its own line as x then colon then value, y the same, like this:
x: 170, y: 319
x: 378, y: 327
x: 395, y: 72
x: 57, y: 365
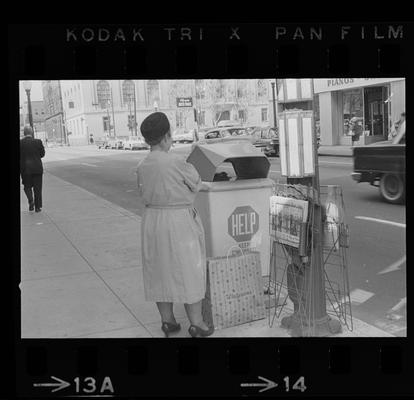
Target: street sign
x: 243, y: 223
x: 184, y: 101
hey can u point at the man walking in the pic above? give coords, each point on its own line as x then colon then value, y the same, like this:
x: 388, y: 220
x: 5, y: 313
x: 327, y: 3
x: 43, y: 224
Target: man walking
x: 31, y: 168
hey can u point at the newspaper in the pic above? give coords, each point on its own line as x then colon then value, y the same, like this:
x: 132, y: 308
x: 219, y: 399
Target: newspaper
x: 287, y: 215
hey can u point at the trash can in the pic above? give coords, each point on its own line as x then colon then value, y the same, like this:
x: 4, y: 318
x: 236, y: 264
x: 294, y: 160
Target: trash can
x: 234, y: 210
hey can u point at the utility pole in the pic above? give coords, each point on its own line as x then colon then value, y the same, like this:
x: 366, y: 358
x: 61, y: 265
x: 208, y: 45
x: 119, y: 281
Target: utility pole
x: 113, y: 114
x: 135, y: 112
x: 195, y: 103
x: 63, y: 126
x: 274, y: 105
x: 129, y: 114
x: 109, y: 118
x: 313, y: 320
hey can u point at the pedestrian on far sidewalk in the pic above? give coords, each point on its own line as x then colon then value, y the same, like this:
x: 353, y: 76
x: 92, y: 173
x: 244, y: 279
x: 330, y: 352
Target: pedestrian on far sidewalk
x: 91, y: 138
x: 399, y: 125
x: 172, y: 234
x: 356, y: 129
x: 31, y: 168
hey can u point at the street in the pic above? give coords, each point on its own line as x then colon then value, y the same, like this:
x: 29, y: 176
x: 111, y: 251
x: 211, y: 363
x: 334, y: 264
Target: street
x: 377, y: 263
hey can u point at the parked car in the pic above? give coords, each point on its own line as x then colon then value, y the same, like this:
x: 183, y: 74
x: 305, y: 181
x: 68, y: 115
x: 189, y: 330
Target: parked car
x: 227, y: 122
x: 101, y: 143
x: 224, y: 134
x: 263, y: 135
x: 382, y: 164
x: 114, y: 144
x: 135, y: 143
x: 271, y: 143
x: 183, y: 136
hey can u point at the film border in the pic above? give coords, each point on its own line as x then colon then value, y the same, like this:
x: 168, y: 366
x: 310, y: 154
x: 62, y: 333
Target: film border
x: 218, y: 367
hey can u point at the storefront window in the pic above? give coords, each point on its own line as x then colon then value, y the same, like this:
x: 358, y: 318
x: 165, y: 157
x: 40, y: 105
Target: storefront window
x: 376, y: 111
x: 353, y: 111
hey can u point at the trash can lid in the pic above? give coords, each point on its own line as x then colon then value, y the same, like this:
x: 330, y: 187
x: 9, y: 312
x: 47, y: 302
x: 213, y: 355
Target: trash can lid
x: 248, y: 162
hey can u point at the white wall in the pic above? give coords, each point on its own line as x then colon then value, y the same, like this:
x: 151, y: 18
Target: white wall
x: 326, y: 117
x: 397, y: 100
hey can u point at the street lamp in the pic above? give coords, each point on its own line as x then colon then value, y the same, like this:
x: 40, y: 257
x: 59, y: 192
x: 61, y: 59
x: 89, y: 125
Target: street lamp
x: 27, y: 85
x: 274, y: 105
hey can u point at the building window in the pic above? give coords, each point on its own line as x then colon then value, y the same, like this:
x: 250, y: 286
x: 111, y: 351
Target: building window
x: 264, y: 115
x: 352, y: 111
x: 106, y: 122
x: 103, y: 91
x: 242, y: 115
x: 223, y: 116
x: 179, y: 118
x: 220, y: 89
x: 131, y: 122
x: 202, y: 118
x: 262, y: 89
x: 128, y: 91
x: 200, y: 89
x: 153, y: 93
x: 241, y: 88
x: 71, y: 104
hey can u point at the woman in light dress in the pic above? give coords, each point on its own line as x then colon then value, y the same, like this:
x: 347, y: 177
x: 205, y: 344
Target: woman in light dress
x: 172, y: 235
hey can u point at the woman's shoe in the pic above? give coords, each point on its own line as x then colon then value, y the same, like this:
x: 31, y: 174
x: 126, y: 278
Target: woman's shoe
x: 196, y: 331
x: 168, y: 327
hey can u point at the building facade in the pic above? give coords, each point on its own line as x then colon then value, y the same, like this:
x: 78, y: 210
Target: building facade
x: 374, y: 103
x: 38, y: 115
x: 116, y: 108
x: 54, y: 120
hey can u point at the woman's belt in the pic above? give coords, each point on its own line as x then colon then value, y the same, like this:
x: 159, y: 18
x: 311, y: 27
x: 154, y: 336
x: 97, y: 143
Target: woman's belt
x: 170, y: 206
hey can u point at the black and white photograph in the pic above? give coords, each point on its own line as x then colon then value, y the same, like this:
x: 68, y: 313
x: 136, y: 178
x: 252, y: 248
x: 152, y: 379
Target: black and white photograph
x: 134, y: 193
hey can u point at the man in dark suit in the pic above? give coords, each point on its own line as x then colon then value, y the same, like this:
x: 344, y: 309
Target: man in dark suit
x: 31, y: 168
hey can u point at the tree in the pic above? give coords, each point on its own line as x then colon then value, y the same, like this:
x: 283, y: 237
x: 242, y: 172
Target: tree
x: 181, y: 88
x: 217, y: 92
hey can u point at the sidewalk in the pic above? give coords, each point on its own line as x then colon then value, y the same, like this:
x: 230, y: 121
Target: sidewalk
x: 82, y: 275
x: 341, y: 151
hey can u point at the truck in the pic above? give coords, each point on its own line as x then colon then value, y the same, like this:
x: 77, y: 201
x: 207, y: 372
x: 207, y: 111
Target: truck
x: 382, y: 164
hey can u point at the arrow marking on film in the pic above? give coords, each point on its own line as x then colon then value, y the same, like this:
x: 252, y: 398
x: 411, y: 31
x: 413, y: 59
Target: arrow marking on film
x: 393, y: 267
x: 267, y: 386
x: 61, y: 385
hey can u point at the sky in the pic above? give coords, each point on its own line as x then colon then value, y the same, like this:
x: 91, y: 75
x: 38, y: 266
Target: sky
x: 35, y: 92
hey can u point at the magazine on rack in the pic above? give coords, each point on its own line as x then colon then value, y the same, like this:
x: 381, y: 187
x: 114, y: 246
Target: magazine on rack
x: 287, y: 215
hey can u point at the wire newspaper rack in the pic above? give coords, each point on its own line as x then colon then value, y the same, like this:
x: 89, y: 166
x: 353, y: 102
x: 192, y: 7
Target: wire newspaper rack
x: 291, y: 255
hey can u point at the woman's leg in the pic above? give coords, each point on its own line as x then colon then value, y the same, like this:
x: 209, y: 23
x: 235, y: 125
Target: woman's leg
x: 166, y: 311
x: 194, y: 314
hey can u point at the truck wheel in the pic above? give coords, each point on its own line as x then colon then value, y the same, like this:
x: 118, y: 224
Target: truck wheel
x: 392, y: 188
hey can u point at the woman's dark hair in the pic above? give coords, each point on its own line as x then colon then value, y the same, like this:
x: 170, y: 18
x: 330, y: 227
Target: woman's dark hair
x: 154, y: 142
